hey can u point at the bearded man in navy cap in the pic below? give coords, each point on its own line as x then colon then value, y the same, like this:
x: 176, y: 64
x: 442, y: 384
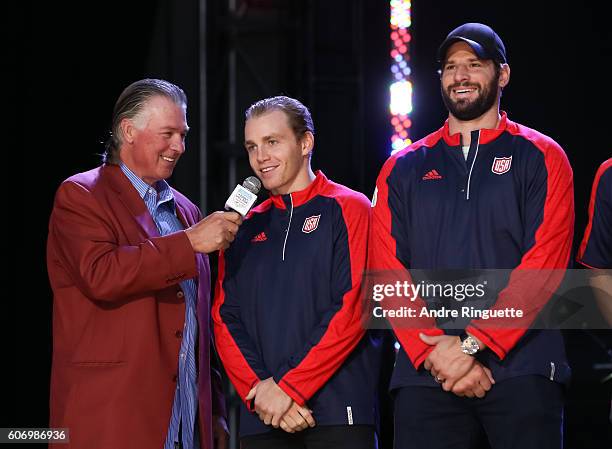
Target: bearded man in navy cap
x: 481, y: 193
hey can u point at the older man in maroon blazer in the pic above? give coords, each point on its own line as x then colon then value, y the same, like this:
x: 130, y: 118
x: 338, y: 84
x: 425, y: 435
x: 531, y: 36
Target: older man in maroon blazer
x: 132, y: 363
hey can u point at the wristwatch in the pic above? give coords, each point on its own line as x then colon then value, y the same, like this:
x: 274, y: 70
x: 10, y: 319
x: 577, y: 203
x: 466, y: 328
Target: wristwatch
x: 469, y: 345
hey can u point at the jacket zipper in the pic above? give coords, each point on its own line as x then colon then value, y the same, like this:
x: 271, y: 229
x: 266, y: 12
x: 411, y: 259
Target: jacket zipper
x: 552, y: 370
x: 289, y: 226
x: 467, y: 195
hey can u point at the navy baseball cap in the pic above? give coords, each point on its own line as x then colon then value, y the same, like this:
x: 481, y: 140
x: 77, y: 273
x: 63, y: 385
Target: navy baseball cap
x: 484, y: 41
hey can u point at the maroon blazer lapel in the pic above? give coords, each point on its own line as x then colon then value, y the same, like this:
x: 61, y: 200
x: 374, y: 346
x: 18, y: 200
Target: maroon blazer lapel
x: 205, y: 399
x: 181, y: 212
x: 129, y: 196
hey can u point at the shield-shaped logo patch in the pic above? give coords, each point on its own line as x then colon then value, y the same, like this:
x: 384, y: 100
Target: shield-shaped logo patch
x: 310, y: 224
x: 501, y: 165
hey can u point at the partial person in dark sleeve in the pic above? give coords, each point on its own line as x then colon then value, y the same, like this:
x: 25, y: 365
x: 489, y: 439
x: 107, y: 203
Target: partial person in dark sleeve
x: 596, y: 248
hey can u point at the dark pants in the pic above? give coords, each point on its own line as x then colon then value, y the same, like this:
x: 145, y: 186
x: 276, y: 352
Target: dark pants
x: 519, y: 413
x: 319, y: 437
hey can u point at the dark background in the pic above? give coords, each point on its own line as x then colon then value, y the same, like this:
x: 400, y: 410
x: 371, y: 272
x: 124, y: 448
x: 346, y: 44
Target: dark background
x: 67, y: 63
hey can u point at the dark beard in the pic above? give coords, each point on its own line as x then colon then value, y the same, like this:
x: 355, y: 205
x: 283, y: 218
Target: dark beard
x: 469, y: 111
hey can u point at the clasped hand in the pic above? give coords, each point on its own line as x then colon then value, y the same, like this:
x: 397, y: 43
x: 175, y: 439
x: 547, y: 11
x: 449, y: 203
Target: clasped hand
x: 275, y: 407
x: 455, y: 371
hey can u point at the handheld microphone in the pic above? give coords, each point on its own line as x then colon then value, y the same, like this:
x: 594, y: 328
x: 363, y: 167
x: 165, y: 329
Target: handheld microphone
x: 244, y: 196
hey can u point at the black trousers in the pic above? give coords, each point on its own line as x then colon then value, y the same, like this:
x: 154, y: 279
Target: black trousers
x: 318, y: 437
x: 519, y: 413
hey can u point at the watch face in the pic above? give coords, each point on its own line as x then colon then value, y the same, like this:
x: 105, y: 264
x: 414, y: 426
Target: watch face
x: 470, y: 346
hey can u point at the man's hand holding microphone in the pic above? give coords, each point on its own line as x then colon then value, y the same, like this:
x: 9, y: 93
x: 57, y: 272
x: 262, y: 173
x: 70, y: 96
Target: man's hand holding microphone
x: 217, y: 230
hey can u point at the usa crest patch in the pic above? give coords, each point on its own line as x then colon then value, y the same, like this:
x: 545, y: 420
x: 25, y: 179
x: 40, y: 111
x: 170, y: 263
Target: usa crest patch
x: 501, y: 165
x: 310, y: 224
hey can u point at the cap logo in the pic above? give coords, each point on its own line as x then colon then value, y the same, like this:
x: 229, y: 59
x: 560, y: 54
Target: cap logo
x: 501, y: 165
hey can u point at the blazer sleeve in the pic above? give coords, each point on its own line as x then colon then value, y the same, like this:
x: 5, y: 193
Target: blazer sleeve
x: 85, y: 245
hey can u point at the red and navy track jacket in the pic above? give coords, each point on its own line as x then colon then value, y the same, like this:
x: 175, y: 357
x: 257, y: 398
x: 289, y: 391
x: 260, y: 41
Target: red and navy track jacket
x: 288, y: 304
x: 596, y: 247
x: 508, y: 206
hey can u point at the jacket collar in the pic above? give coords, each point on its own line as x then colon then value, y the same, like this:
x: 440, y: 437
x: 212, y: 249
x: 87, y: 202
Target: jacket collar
x: 486, y: 135
x: 302, y: 196
x: 129, y: 196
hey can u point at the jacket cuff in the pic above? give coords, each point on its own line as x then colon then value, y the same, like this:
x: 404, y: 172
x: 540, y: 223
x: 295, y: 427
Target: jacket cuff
x: 487, y: 340
x: 179, y: 256
x: 250, y: 404
x: 292, y: 392
x: 416, y: 349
